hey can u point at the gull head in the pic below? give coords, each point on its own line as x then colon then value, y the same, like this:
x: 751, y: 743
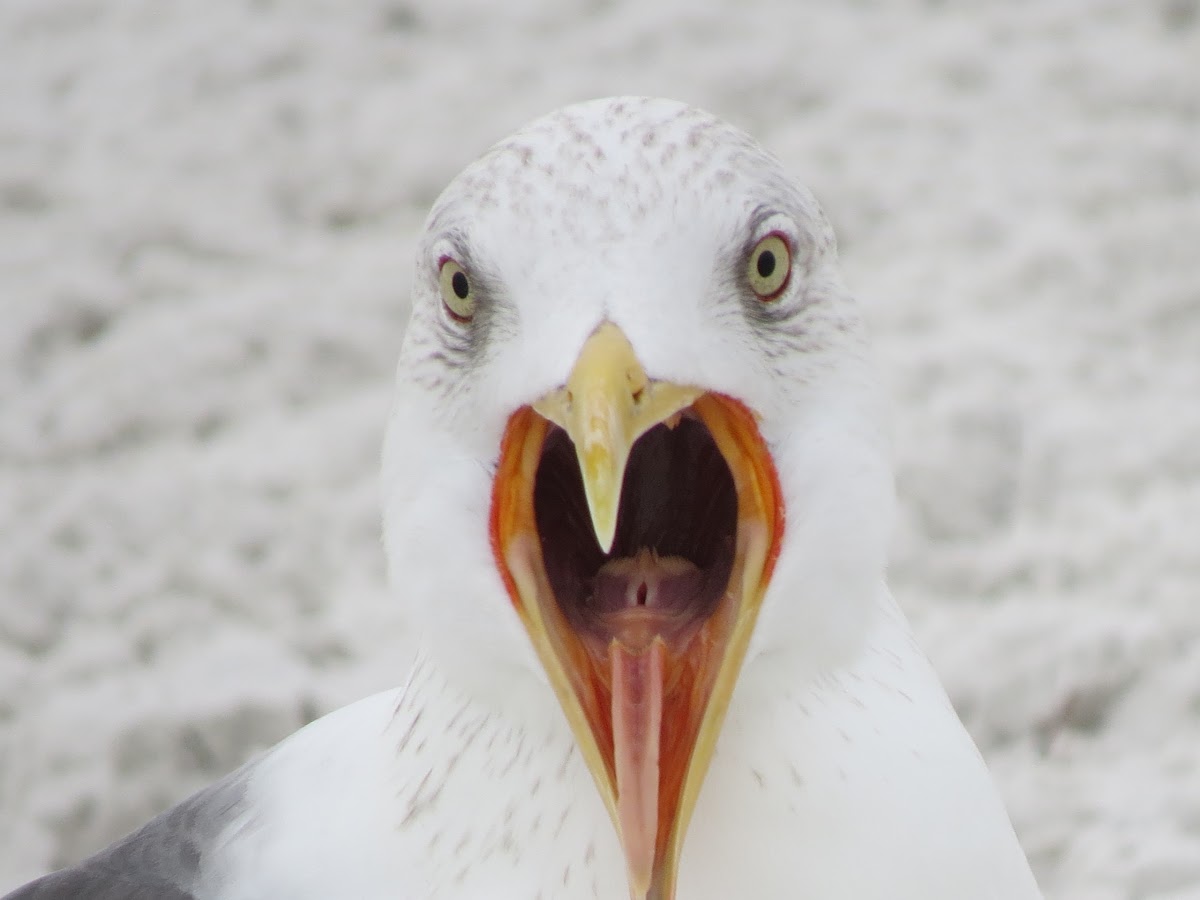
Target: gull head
x: 635, y: 471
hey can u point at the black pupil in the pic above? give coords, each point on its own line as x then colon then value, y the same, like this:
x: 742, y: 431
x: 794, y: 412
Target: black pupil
x: 765, y: 264
x: 461, y: 288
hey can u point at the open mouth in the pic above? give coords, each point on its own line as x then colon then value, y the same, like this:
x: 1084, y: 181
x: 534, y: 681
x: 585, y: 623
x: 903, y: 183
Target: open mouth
x: 636, y: 524
x: 673, y: 549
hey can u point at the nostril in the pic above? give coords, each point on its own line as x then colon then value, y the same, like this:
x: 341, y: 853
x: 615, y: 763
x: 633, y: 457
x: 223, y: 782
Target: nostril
x: 637, y: 383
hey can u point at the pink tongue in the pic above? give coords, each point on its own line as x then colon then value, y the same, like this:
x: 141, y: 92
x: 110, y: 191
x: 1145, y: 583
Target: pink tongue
x: 637, y: 699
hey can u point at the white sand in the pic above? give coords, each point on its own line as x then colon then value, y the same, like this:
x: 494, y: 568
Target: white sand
x: 207, y: 211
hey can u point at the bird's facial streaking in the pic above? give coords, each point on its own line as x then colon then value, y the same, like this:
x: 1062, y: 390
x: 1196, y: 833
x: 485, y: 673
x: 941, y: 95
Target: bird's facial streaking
x: 635, y: 434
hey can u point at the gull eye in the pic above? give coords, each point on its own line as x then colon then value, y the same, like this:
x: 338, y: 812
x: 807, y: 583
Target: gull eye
x: 769, y: 267
x: 457, y: 292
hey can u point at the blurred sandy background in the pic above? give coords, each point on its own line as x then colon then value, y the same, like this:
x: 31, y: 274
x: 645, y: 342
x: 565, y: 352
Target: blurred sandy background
x: 207, y: 214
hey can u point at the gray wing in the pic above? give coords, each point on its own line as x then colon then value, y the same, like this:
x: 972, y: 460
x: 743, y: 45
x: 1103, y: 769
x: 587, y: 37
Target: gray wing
x: 87, y: 882
x: 160, y: 861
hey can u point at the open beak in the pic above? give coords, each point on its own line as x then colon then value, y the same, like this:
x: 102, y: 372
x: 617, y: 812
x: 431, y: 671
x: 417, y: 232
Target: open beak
x: 636, y: 523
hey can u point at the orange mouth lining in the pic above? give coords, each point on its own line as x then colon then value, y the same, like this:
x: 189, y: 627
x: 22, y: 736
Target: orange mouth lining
x: 642, y: 644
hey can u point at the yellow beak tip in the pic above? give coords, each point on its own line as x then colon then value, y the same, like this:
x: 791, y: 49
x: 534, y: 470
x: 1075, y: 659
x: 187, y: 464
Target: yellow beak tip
x: 602, y: 478
x: 604, y: 524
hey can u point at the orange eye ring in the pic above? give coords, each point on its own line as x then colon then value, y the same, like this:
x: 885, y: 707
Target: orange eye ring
x: 458, y: 294
x: 770, y: 266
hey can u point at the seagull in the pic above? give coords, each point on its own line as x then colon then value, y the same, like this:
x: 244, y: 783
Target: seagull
x: 637, y: 494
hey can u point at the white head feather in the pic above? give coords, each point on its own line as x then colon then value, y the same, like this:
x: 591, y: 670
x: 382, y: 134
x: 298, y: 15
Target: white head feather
x: 641, y: 212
